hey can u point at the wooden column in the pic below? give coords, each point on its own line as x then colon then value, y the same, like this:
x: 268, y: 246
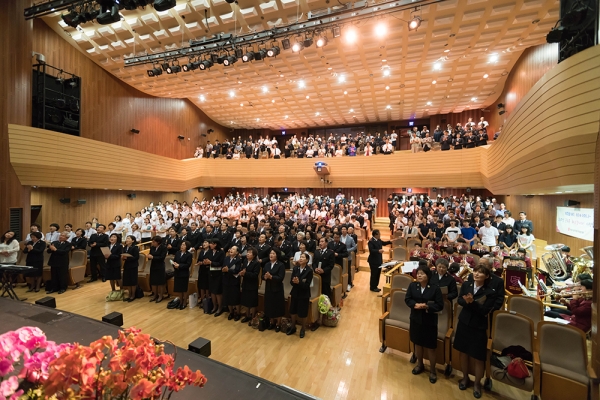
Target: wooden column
x: 15, y: 104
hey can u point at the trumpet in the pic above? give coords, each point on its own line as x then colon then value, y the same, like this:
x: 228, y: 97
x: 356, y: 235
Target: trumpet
x: 584, y: 293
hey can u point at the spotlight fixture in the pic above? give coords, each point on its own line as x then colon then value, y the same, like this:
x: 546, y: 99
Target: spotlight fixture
x: 500, y: 105
x: 556, y: 35
x: 261, y: 54
x: 214, y: 57
x: 239, y: 53
x: 110, y: 13
x: 273, y: 51
x: 154, y: 71
x: 189, y: 66
x: 298, y: 46
x: 71, y: 18
x: 229, y: 60
x: 206, y: 64
x: 321, y: 41
x: 173, y: 69
x: 285, y: 43
x: 307, y: 42
x: 165, y: 66
x: 414, y: 23
x: 336, y: 31
x: 249, y: 56
x: 164, y: 5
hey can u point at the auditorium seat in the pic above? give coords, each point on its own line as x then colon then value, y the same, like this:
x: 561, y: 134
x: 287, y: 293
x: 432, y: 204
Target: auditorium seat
x: 77, y: 266
x: 399, y: 254
x: 345, y: 277
x: 261, y: 297
x: 315, y: 292
x: 394, y: 324
x: 193, y: 283
x: 46, y: 276
x: 336, y: 285
x: 399, y: 281
x: 144, y: 273
x: 287, y: 289
x: 563, y: 377
x: 397, y: 242
x: 412, y: 242
x: 169, y: 269
x: 528, y: 306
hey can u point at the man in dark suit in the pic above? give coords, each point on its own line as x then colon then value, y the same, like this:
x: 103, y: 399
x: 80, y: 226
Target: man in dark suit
x: 195, y: 236
x: 323, y: 262
x: 521, y: 222
x: 340, y: 251
x: 59, y: 263
x: 263, y: 250
x: 300, y: 296
x: 375, y: 259
x: 97, y: 259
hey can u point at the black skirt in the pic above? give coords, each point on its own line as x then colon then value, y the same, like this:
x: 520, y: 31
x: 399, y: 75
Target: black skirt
x: 113, y: 272
x: 471, y: 341
x: 423, y: 335
x: 215, y: 282
x: 180, y: 284
x: 274, y: 304
x: 231, y: 295
x: 249, y: 297
x: 37, y: 270
x: 158, y: 276
x: 203, y: 278
x: 299, y: 307
x: 130, y: 277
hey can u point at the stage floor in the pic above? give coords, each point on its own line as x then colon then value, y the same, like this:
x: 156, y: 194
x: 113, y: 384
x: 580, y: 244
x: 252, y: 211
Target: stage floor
x: 223, y: 381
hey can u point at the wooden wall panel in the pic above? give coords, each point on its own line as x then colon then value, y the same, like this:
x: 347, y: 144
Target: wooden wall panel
x: 110, y: 107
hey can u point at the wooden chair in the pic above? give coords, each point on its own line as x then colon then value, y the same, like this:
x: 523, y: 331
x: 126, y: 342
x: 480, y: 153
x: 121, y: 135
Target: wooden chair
x: 168, y: 269
x: 46, y: 275
x: 345, y: 275
x: 397, y: 242
x: 336, y: 285
x: 511, y: 329
x: 287, y: 289
x: 412, y: 242
x: 77, y: 265
x: 399, y: 254
x: 399, y: 281
x: 193, y: 283
x: 315, y: 292
x: 394, y: 324
x: 528, y: 306
x: 261, y: 296
x: 565, y: 371
x: 144, y: 273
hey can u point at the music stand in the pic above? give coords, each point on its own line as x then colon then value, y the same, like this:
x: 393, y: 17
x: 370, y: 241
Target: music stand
x: 9, y: 275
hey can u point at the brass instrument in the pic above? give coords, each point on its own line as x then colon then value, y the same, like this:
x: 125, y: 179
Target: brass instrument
x: 585, y: 293
x: 583, y: 264
x: 465, y: 270
x: 554, y: 263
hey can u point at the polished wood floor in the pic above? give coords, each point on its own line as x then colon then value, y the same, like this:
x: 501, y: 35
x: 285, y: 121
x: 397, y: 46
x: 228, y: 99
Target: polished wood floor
x: 330, y: 363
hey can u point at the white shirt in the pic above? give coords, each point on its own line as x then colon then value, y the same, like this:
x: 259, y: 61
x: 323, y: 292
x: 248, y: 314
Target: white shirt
x: 13, y: 252
x: 452, y: 233
x: 488, y: 235
x: 52, y: 236
x: 89, y: 232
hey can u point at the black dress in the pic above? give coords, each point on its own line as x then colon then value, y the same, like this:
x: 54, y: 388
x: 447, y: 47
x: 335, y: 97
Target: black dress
x: 231, y: 282
x: 274, y: 296
x: 35, y: 258
x: 203, y: 272
x: 158, y: 275
x: 250, y: 283
x: 471, y: 332
x: 113, y: 262
x: 130, y: 268
x: 215, y: 279
x: 181, y: 276
x: 423, y: 323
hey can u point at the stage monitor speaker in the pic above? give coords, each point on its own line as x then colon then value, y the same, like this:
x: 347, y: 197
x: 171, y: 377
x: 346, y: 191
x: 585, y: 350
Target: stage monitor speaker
x: 571, y: 203
x: 81, y: 201
x: 114, y: 318
x: 200, y: 346
x: 65, y: 200
x: 132, y: 195
x: 47, y: 301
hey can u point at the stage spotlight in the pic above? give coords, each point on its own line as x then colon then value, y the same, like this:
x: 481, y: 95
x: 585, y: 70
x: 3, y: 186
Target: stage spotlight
x: 307, y: 42
x: 298, y: 46
x: 165, y: 66
x: 322, y: 41
x: 206, y: 64
x: 285, y: 43
x: 500, y: 105
x: 214, y: 58
x: 336, y: 31
x: 71, y: 19
x: 110, y: 14
x: 556, y: 35
x: 154, y: 72
x: 229, y: 60
x: 164, y: 5
x: 414, y: 23
x: 239, y: 53
x: 173, y: 69
x: 188, y: 67
x: 273, y: 51
x: 260, y: 54
x: 220, y: 59
x: 169, y: 69
x: 249, y: 56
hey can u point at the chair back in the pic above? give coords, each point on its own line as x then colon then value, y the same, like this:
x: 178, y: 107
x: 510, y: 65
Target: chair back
x: 344, y: 265
x: 194, y: 274
x: 399, y: 311
x: 511, y: 329
x: 142, y: 262
x: 336, y: 275
x: 445, y: 319
x: 287, y: 286
x: 412, y: 242
x: 78, y: 258
x: 563, y: 346
x: 399, y: 253
x: 401, y: 281
x: 475, y: 258
x: 46, y: 258
x: 22, y: 260
x: 315, y: 289
x: 527, y: 306
x: 168, y: 266
x: 398, y: 242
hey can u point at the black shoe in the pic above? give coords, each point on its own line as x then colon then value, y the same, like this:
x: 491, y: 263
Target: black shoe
x: 314, y: 327
x: 49, y: 291
x: 103, y: 279
x: 246, y: 319
x: 376, y: 290
x: 92, y: 280
x: 29, y: 290
x: 182, y: 306
x: 418, y: 369
x: 433, y: 378
x: 211, y: 312
x: 237, y: 317
x: 302, y: 333
x: 277, y: 329
x: 153, y: 299
x: 36, y: 290
x: 476, y: 394
x: 463, y: 386
x: 61, y: 291
x: 291, y: 330
x: 230, y: 317
x: 129, y: 300
x: 271, y: 327
x: 218, y: 313
x: 158, y: 300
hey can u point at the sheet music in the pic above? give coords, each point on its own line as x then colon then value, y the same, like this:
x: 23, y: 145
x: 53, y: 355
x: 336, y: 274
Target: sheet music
x: 409, y: 266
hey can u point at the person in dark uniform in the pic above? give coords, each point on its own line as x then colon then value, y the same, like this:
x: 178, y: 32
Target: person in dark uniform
x: 442, y: 278
x: 97, y: 259
x: 263, y: 250
x: 375, y: 259
x: 323, y: 262
x: 273, y: 274
x: 250, y: 271
x: 35, y: 258
x: 216, y: 256
x: 340, y: 251
x: 158, y: 275
x: 130, y: 256
x: 59, y: 263
x: 302, y: 276
x: 172, y: 242
x: 182, y: 263
x: 231, y: 283
x: 203, y: 264
x: 79, y: 242
x: 424, y: 300
x: 477, y: 299
x: 113, y: 262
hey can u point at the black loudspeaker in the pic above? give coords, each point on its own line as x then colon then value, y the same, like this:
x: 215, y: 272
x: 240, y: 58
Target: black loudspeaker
x: 434, y: 189
x: 200, y: 346
x: 65, y: 200
x: 529, y: 196
x: 47, y: 301
x: 132, y: 195
x: 114, y: 318
x: 571, y: 203
x: 468, y: 190
x: 404, y: 189
x: 81, y: 201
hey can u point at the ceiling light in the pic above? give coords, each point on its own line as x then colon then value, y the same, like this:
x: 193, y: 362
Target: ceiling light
x: 386, y: 72
x: 273, y: 101
x: 285, y: 117
x: 202, y: 98
x: 231, y: 93
x: 341, y: 79
x: 307, y: 97
x: 381, y: 29
x: 154, y: 72
x: 388, y: 107
x: 345, y: 92
x: 307, y: 42
x: 414, y: 23
x: 265, y: 89
x: 485, y: 76
x: 447, y: 51
x: 322, y: 41
x: 273, y: 51
x: 298, y: 46
x: 249, y: 56
x: 257, y: 119
x: 301, y: 84
x: 173, y: 69
x: 387, y: 88
x: 229, y: 60
x: 350, y: 35
x: 317, y: 113
x: 189, y: 67
x: 493, y: 58
x: 285, y: 43
x: 241, y: 104
x: 429, y: 103
x: 110, y: 13
x: 473, y: 98
x: 437, y: 66
x: 164, y: 5
x: 351, y: 110
x: 206, y: 64
x: 433, y: 82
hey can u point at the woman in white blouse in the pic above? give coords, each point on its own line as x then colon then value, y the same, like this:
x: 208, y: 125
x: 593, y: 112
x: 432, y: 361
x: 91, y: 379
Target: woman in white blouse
x: 526, y: 239
x: 146, y: 230
x: 410, y: 231
x: 310, y: 152
x: 302, y: 248
x: 162, y: 227
x: 135, y: 232
x: 118, y: 225
x: 9, y: 248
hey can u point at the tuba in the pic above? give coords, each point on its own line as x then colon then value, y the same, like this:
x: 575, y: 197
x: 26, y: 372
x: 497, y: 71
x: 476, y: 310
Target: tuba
x: 555, y: 264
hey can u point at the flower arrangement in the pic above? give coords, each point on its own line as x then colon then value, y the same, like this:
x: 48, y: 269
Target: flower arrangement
x: 133, y: 366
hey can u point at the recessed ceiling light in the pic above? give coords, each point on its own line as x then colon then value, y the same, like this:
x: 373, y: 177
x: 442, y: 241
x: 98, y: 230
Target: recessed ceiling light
x: 231, y: 93
x: 341, y: 79
x: 387, y: 88
x: 317, y: 113
x: 265, y: 89
x: 307, y: 97
x: 386, y: 72
x: 202, y: 98
x: 381, y: 29
x: 388, y: 107
x: 450, y: 80
x: 241, y: 104
x: 286, y: 117
x: 433, y: 82
x: 485, y: 76
x: 301, y: 84
x: 350, y: 35
x: 429, y: 103
x: 437, y: 66
x: 257, y: 119
x: 273, y: 101
x: 351, y: 110
x: 447, y: 51
x: 493, y: 58
x: 345, y: 92
x: 473, y: 98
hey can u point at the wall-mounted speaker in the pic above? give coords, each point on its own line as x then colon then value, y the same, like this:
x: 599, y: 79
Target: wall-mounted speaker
x: 529, y: 196
x: 468, y: 190
x: 81, y: 201
x: 571, y: 203
x: 434, y: 189
x: 404, y: 189
x: 132, y: 195
x: 65, y: 200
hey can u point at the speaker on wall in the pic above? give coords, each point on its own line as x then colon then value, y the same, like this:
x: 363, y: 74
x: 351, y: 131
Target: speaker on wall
x: 132, y: 195
x: 65, y: 200
x: 81, y: 201
x: 571, y: 203
x: 468, y: 190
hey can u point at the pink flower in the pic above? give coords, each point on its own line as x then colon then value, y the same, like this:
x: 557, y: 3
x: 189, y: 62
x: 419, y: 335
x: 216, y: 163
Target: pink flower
x: 5, y: 367
x: 9, y: 386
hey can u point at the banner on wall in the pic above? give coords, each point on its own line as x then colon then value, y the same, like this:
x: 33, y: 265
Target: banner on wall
x: 576, y: 222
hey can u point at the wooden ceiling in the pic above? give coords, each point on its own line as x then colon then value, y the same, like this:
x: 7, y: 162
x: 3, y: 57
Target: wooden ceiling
x: 458, y: 59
